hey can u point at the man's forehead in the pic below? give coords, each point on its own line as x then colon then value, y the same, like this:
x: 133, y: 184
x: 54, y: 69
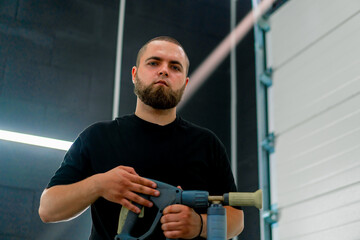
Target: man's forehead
x: 165, y: 48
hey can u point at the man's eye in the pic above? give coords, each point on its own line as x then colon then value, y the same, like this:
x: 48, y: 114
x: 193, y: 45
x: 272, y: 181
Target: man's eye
x: 176, y: 68
x: 152, y: 63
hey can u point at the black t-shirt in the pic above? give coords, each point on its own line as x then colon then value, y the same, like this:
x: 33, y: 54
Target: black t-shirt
x: 180, y: 154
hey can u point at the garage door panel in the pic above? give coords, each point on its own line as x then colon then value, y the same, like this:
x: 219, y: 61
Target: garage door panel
x: 305, y: 25
x: 314, y: 111
x: 321, y: 204
x: 340, y: 216
x: 336, y: 181
x: 349, y: 231
x: 320, y: 128
x: 335, y: 125
x: 320, y: 171
x: 321, y: 82
x: 324, y: 151
x: 301, y: 71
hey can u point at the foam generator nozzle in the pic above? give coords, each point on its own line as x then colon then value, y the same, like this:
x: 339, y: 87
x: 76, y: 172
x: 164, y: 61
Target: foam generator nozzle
x: 246, y: 199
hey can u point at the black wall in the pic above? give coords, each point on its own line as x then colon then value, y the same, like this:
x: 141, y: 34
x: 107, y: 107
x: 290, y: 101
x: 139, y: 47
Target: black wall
x: 57, y: 64
x: 56, y: 77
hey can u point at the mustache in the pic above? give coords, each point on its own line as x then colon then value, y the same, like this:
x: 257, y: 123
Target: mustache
x: 162, y: 81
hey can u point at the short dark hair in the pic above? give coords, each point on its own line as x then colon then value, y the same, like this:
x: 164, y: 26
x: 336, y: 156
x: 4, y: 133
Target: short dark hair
x: 162, y: 38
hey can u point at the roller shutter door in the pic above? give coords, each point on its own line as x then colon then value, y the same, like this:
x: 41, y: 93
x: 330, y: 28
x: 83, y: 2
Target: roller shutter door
x: 313, y: 48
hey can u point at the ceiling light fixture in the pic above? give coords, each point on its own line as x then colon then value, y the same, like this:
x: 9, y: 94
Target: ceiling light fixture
x: 35, y: 140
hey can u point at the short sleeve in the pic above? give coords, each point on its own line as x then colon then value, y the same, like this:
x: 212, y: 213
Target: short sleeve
x: 75, y: 166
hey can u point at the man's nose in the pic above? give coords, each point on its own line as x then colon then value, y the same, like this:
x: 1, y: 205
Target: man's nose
x: 163, y: 72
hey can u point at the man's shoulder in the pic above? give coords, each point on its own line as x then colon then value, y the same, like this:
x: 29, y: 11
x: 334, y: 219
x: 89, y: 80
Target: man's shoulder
x: 196, y: 129
x: 108, y: 125
x: 99, y: 128
x: 125, y: 119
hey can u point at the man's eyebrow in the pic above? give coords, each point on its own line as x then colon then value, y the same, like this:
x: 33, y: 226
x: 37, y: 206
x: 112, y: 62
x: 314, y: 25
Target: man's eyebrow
x: 152, y: 58
x: 159, y: 59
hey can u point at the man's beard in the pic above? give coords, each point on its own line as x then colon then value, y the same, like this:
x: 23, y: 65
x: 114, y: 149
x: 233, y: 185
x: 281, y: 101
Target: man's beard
x: 158, y: 97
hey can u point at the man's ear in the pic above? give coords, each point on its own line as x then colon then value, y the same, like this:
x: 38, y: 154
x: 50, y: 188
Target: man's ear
x: 187, y: 80
x: 133, y: 73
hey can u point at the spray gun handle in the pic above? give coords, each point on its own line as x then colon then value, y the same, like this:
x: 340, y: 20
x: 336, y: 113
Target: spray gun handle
x: 127, y: 224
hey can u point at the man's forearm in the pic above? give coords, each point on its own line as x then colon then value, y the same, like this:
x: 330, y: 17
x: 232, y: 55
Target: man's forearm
x: 117, y: 185
x: 235, y: 221
x: 63, y: 202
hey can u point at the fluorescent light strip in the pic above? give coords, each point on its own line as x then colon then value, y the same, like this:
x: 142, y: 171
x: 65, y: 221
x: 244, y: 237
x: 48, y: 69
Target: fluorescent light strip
x: 35, y: 140
x: 208, y: 66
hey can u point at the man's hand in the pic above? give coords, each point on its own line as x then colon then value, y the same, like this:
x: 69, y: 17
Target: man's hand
x: 180, y: 221
x: 121, y: 184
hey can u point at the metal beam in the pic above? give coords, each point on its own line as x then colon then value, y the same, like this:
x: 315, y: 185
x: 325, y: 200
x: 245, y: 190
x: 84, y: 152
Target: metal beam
x: 263, y: 80
x: 119, y: 47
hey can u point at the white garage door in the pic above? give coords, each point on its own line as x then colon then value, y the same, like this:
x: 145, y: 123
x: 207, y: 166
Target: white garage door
x: 313, y: 48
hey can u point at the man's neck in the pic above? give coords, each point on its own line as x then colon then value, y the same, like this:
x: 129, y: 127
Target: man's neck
x: 157, y: 116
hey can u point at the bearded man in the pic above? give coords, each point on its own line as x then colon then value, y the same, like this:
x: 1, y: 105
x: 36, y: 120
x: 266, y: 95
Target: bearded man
x: 110, y: 162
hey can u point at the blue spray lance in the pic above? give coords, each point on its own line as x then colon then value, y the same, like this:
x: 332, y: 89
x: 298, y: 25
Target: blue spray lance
x: 216, y: 213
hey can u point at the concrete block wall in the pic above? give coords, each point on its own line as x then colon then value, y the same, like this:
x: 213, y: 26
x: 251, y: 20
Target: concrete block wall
x: 57, y: 60
x: 57, y: 63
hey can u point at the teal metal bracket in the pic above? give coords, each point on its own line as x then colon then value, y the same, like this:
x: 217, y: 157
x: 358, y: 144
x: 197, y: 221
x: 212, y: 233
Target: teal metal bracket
x: 263, y: 23
x: 266, y: 77
x: 268, y: 143
x: 271, y: 216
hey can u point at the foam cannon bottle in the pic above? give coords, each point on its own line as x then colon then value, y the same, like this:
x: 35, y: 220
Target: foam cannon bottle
x: 216, y: 213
